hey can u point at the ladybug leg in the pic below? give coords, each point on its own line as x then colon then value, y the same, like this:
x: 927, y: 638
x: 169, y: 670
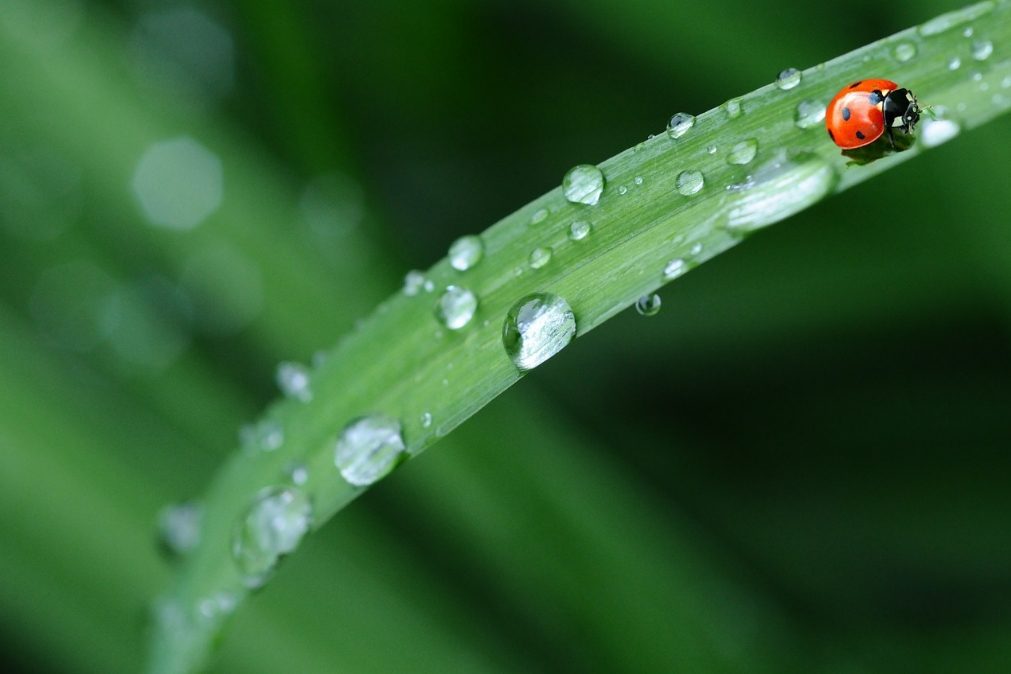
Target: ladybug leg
x: 891, y: 137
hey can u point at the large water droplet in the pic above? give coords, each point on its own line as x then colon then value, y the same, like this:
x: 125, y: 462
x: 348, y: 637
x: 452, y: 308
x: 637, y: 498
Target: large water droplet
x: 539, y: 257
x: 743, y: 152
x: 674, y: 268
x: 778, y: 189
x: 934, y: 132
x: 456, y: 307
x: 690, y: 182
x: 679, y: 124
x: 579, y: 230
x: 466, y: 252
x: 583, y: 184
x: 648, y: 305
x: 179, y: 527
x: 273, y: 526
x: 536, y: 328
x: 809, y: 114
x: 369, y: 449
x: 981, y: 49
x: 414, y: 282
x: 788, y: 79
x: 904, y: 51
x: 294, y: 381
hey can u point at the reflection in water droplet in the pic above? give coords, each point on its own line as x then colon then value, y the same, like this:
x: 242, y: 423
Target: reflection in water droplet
x: 536, y: 328
x: 743, y: 152
x: 690, y: 182
x: 674, y: 268
x: 788, y: 79
x: 456, y: 307
x: 648, y: 305
x: 778, y: 189
x: 179, y: 183
x: 583, y: 184
x: 539, y: 257
x: 466, y: 252
x: 179, y: 527
x: 679, y: 124
x: 981, y: 49
x: 294, y: 382
x: 579, y: 230
x: 368, y: 449
x: 539, y: 216
x: 904, y: 51
x: 414, y: 281
x: 934, y: 132
x: 273, y: 526
x: 809, y: 114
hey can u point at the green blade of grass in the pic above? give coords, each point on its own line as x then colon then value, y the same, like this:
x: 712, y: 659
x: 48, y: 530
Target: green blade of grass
x: 402, y: 363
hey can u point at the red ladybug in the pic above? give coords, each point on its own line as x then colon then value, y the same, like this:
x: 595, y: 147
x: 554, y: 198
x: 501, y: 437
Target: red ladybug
x: 864, y: 110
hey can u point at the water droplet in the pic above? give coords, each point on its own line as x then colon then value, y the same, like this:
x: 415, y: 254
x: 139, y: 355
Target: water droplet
x: 178, y: 183
x: 981, y: 49
x: 216, y: 606
x: 674, y: 269
x: 809, y: 114
x: 539, y: 216
x: 954, y: 63
x: 648, y: 305
x: 579, y: 230
x: 583, y: 184
x: 712, y: 149
x: 690, y: 182
x: 1006, y: 82
x: 788, y: 79
x: 539, y: 257
x: 273, y: 526
x: 179, y: 527
x: 778, y: 189
x: 536, y: 328
x: 466, y: 252
x: 743, y: 152
x: 904, y: 51
x: 426, y: 420
x: 369, y: 449
x: 414, y: 281
x: 294, y: 381
x: 637, y: 180
x: 679, y: 124
x: 968, y: 32
x: 622, y: 190
x: 733, y: 108
x: 934, y: 132
x: 695, y: 250
x: 456, y: 307
x: 429, y: 285
x: 266, y: 436
x: 299, y: 474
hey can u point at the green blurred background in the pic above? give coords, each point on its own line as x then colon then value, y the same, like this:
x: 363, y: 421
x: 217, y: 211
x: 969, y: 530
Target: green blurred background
x: 799, y: 465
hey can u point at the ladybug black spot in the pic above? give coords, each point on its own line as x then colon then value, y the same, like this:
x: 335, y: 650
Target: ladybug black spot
x: 856, y: 84
x: 846, y: 114
x: 860, y: 135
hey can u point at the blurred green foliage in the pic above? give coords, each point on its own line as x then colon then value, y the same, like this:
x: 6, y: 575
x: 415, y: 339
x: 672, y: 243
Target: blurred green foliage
x: 800, y: 465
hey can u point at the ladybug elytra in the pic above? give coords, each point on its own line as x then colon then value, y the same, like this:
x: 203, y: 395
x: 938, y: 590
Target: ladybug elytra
x: 860, y: 113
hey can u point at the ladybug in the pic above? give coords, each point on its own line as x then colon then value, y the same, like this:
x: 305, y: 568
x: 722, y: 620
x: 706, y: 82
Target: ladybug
x: 860, y: 113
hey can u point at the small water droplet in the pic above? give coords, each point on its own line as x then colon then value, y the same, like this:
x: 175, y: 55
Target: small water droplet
x: 712, y: 149
x: 637, y: 180
x: 429, y: 285
x: 679, y: 124
x: 934, y: 132
x: 466, y: 252
x: 743, y: 152
x: 368, y: 449
x: 954, y: 63
x: 579, y: 230
x: 414, y: 281
x: 648, y: 305
x: 982, y: 49
x: 690, y: 182
x: 695, y: 250
x: 809, y: 114
x: 622, y: 190
x: 904, y: 51
x: 536, y: 328
x: 216, y: 606
x: 539, y: 257
x: 968, y: 32
x: 179, y: 527
x: 456, y: 307
x: 583, y: 184
x: 275, y: 523
x: 426, y: 419
x: 539, y: 216
x: 977, y: 76
x: 299, y: 474
x: 294, y: 381
x: 674, y: 269
x: 267, y: 436
x: 788, y: 79
x: 1006, y: 82
x: 733, y: 108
